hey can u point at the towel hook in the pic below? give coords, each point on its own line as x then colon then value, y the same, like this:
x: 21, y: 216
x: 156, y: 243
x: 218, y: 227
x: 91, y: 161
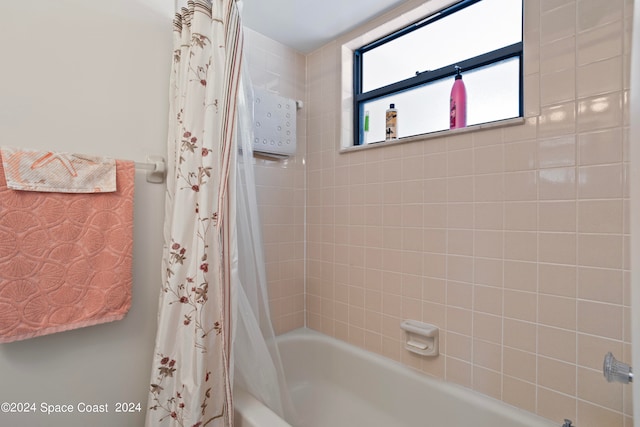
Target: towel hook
x: 157, y: 173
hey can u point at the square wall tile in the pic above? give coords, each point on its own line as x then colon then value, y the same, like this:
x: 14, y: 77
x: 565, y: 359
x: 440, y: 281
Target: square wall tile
x: 487, y: 381
x: 520, y: 335
x: 593, y: 13
x: 519, y: 364
x: 600, y: 147
x: 556, y: 406
x: 557, y: 56
x: 488, y: 327
x: 558, y: 23
x: 599, y: 112
x: 600, y: 319
x: 557, y: 312
x: 519, y: 393
x: 557, y: 343
x: 599, y: 77
x: 556, y: 375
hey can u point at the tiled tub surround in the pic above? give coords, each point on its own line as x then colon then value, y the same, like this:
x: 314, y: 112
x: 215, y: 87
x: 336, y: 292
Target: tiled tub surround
x: 514, y: 241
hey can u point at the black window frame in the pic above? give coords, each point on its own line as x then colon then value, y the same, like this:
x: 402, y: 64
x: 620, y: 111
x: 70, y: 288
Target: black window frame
x: 421, y: 78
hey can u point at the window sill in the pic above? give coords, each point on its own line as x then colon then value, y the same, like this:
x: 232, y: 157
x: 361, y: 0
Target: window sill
x: 439, y: 134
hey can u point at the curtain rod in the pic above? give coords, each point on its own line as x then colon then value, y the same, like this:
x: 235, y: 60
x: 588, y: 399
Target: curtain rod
x: 156, y: 169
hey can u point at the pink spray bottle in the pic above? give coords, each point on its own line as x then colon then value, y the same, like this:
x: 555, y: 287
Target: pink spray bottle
x: 458, y: 103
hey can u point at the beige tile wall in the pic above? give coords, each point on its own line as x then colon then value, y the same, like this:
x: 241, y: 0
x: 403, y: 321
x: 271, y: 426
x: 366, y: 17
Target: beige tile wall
x: 281, y: 184
x: 514, y: 241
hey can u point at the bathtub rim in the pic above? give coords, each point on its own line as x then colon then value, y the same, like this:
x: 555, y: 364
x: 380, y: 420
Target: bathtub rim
x: 250, y: 412
x: 456, y: 391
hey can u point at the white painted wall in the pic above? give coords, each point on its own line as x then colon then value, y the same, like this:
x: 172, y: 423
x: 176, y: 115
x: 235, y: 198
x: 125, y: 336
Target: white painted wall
x: 89, y: 77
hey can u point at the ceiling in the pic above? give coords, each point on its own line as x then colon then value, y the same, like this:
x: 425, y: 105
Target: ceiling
x: 305, y: 25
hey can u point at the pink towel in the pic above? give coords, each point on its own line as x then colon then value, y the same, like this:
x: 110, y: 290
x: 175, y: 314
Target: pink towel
x: 65, y: 259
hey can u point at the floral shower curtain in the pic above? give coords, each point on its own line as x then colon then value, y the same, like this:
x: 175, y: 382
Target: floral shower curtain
x: 191, y: 372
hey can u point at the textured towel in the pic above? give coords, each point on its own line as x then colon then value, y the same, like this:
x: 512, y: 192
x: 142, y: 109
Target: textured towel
x: 32, y: 170
x: 65, y: 259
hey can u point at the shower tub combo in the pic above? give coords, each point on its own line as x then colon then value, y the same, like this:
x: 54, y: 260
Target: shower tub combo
x: 335, y: 384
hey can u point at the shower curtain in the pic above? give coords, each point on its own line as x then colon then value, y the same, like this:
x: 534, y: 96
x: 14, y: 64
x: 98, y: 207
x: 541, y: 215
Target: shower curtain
x: 213, y: 316
x: 258, y: 367
x: 191, y: 371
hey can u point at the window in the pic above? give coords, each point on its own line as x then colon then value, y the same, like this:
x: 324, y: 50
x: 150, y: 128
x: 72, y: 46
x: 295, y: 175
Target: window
x: 414, y: 69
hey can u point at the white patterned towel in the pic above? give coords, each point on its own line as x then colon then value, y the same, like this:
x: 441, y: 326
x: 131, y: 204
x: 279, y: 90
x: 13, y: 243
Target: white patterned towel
x: 31, y: 170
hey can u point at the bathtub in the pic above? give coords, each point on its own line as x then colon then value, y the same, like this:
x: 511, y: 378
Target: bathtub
x: 335, y: 384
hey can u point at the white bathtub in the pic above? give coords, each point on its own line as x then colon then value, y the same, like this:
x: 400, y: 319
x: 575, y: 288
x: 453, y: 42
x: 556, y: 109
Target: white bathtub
x: 335, y: 384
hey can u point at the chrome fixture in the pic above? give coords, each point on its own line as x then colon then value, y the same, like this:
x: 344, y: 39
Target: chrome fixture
x: 615, y: 370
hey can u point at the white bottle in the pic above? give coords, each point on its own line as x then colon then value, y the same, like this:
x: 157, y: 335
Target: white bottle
x: 392, y: 123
